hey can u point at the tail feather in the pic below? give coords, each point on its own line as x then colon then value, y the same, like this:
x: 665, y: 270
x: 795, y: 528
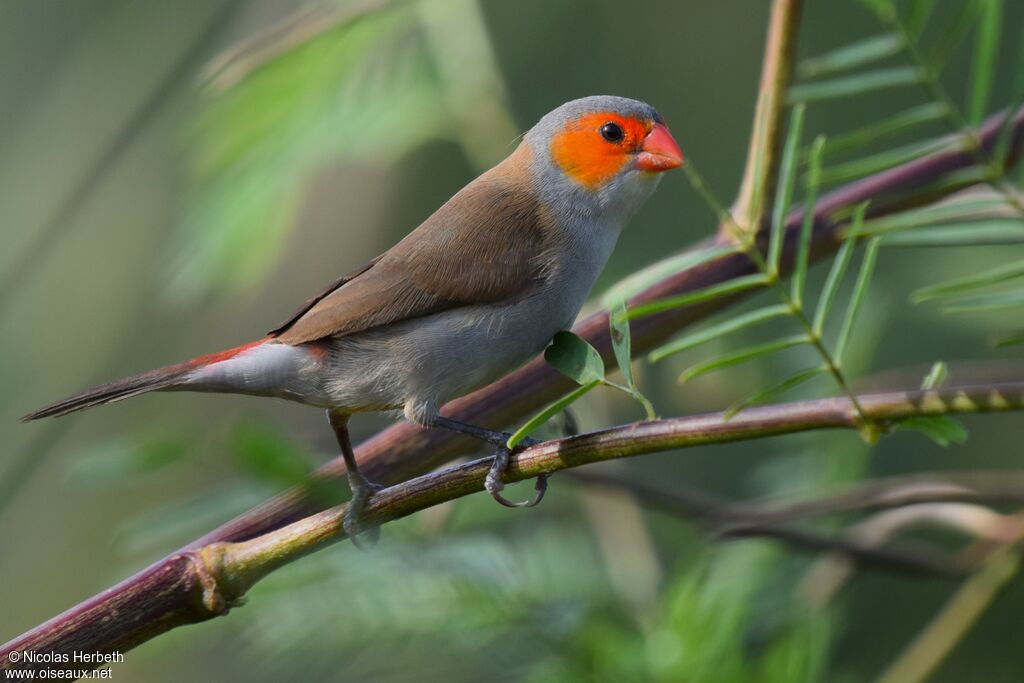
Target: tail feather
x: 154, y: 380
x: 113, y: 391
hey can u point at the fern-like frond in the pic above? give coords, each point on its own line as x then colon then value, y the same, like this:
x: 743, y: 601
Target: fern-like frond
x: 743, y: 356
x: 852, y: 70
x: 849, y: 86
x: 900, y: 122
x: 851, y: 56
x: 726, y: 327
x: 771, y: 392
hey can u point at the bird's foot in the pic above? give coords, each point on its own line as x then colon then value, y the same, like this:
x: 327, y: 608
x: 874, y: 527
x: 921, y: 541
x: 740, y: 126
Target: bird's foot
x: 362, y: 490
x: 494, y: 484
x: 499, y: 440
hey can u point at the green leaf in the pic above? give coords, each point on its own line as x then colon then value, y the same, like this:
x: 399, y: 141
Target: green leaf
x: 937, y: 376
x: 917, y: 17
x: 959, y: 179
x: 267, y: 454
x: 858, y: 168
x: 970, y: 283
x: 930, y: 215
x: 839, y: 264
x: 860, y: 290
x: 954, y: 34
x: 717, y: 291
x: 983, y: 65
x: 973, y: 234
x: 618, y: 321
x: 1001, y: 150
x: 549, y: 412
x: 618, y: 325
x: 897, y: 123
x: 851, y: 56
x: 883, y: 9
x: 720, y: 330
x: 784, y: 191
x: 163, y: 525
x: 575, y: 358
x: 774, y: 390
x: 630, y: 286
x: 1011, y: 339
x: 253, y: 144
x: 848, y: 86
x: 1000, y: 301
x: 742, y: 356
x: 127, y: 457
x: 941, y: 429
x: 807, y: 226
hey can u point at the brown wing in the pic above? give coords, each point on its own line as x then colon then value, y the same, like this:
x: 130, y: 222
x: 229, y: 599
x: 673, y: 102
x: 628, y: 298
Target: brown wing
x: 483, y: 246
x: 310, y: 303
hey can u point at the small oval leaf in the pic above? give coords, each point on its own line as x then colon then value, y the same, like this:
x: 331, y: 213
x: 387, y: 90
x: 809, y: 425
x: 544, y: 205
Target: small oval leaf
x: 575, y: 358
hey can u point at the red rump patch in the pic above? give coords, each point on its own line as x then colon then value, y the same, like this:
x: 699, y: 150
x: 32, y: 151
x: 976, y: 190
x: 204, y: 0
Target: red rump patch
x: 211, y: 358
x: 317, y: 350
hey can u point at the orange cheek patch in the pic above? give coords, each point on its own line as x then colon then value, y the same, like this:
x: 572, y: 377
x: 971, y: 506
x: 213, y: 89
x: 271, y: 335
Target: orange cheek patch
x: 589, y: 159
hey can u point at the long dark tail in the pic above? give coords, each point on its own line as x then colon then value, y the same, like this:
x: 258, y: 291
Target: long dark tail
x: 154, y: 380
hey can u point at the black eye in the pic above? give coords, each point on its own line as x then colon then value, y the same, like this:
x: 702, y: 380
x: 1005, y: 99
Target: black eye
x: 612, y: 132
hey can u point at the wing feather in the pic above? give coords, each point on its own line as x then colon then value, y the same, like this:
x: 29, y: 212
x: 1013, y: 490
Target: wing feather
x: 485, y: 245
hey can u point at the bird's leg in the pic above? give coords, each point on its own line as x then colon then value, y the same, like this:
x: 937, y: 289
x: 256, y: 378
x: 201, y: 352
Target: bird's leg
x: 499, y: 440
x: 361, y: 487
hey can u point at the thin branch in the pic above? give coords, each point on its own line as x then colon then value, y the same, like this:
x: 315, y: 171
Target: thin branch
x: 203, y: 583
x: 827, y: 577
x: 762, y: 167
x: 303, y: 24
x: 405, y: 450
x: 889, y: 492
x: 714, y: 514
x: 920, y: 659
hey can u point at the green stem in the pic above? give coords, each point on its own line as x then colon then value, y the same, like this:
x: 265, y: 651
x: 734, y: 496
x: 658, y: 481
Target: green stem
x: 761, y: 171
x: 246, y: 562
x: 208, y: 581
x: 923, y: 656
x: 814, y: 338
x: 956, y: 120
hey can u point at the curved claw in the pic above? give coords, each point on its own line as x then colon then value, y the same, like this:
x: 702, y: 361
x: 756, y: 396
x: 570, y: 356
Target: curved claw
x: 494, y: 484
x: 364, y: 539
x: 540, y: 489
x: 361, y: 539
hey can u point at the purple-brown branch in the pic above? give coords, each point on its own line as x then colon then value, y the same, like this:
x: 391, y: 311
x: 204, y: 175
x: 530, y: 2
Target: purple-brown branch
x: 405, y: 450
x: 204, y: 583
x: 773, y: 518
x: 170, y: 590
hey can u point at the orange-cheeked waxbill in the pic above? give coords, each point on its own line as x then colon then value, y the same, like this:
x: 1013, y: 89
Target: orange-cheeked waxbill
x: 480, y: 287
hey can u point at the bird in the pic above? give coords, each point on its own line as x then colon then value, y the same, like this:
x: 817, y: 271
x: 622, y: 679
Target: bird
x: 476, y: 290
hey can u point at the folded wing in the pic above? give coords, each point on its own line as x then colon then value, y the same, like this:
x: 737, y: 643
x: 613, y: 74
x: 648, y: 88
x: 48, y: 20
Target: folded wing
x: 484, y: 246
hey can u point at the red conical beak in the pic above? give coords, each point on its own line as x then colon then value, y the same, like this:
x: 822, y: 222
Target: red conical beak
x: 660, y: 152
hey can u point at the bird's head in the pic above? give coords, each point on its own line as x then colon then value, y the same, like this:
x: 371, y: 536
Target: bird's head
x: 603, y: 151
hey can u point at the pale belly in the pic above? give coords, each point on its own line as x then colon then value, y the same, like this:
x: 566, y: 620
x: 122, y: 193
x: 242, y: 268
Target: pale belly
x: 417, y: 365
x: 420, y: 364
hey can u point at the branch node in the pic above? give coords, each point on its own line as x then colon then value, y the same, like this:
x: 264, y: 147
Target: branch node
x: 206, y: 564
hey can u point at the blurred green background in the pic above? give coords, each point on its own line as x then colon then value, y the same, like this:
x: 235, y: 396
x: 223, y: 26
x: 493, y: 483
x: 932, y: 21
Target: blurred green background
x: 176, y: 177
